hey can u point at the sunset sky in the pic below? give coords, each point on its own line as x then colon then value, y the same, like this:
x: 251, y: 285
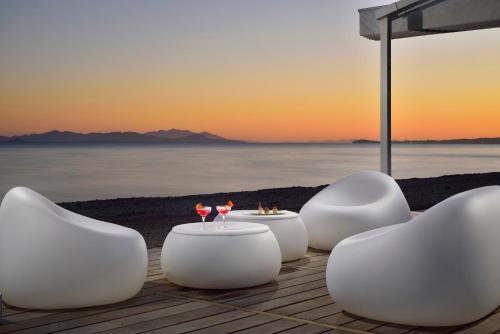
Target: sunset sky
x: 263, y: 70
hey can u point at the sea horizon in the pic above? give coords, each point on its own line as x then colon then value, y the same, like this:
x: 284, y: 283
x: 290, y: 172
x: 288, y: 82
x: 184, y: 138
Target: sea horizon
x: 68, y: 172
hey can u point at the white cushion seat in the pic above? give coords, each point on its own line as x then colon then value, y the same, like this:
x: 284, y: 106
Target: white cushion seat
x: 439, y: 269
x: 51, y: 258
x: 356, y: 203
x: 238, y: 256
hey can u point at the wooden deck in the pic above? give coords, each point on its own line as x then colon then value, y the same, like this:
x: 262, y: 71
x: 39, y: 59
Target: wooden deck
x: 298, y: 302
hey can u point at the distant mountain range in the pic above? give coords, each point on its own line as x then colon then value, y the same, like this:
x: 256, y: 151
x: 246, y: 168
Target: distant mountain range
x: 495, y: 140
x: 179, y: 134
x: 174, y: 136
x: 155, y: 137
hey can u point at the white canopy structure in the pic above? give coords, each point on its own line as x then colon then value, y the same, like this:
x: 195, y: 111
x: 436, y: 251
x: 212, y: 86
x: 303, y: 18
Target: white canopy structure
x: 410, y: 18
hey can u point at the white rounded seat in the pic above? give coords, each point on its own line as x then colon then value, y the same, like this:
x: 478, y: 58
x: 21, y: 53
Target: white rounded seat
x: 51, y: 258
x: 439, y: 269
x: 356, y: 203
x: 238, y: 256
x: 287, y: 227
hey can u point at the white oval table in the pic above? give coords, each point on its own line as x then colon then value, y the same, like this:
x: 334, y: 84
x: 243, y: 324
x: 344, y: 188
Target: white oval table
x: 211, y: 257
x: 287, y: 227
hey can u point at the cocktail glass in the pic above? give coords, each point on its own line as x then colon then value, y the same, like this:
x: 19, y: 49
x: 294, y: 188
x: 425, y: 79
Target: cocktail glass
x: 204, y: 211
x: 223, y: 211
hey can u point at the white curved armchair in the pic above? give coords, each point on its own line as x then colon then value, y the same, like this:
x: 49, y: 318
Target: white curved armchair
x: 439, y: 269
x: 51, y: 258
x: 356, y: 203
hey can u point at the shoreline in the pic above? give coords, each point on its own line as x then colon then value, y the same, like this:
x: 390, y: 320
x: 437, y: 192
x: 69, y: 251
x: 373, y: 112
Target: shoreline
x: 154, y: 217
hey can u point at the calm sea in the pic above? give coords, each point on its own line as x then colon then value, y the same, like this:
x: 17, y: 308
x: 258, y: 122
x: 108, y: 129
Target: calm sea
x: 69, y: 173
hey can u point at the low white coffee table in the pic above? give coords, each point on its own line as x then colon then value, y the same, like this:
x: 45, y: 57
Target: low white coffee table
x: 238, y: 256
x: 288, y: 228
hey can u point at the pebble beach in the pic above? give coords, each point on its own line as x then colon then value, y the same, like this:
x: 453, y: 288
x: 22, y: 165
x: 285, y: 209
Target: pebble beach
x: 154, y: 217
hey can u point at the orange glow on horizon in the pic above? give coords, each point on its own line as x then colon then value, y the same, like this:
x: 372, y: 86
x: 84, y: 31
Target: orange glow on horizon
x: 292, y: 105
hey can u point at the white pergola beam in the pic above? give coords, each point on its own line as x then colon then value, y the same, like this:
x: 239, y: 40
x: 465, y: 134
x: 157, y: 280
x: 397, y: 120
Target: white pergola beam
x: 409, y: 18
x: 417, y: 17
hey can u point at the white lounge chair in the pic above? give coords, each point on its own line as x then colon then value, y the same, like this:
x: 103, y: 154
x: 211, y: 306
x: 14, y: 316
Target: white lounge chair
x: 356, y: 203
x: 439, y: 269
x: 51, y: 258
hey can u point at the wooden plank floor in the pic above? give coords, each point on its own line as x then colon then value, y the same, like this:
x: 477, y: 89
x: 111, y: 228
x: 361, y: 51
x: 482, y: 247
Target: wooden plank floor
x: 297, y: 302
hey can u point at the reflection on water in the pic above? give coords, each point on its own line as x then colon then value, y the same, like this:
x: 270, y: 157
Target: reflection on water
x: 65, y: 173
